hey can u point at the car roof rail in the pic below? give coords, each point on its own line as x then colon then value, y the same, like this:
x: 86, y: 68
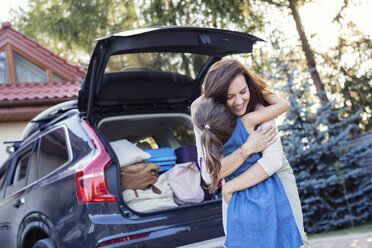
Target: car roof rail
x: 42, y: 120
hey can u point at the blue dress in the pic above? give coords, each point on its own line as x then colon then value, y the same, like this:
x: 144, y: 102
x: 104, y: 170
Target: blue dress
x: 260, y: 216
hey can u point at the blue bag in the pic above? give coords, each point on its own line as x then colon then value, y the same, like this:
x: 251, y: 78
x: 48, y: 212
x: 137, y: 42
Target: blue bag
x: 165, y: 157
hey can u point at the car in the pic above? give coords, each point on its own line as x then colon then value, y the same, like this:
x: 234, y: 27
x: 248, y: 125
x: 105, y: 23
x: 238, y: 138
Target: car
x: 61, y: 187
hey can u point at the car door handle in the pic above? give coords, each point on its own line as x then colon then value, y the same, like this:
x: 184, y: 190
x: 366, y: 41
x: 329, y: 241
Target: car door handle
x: 19, y: 202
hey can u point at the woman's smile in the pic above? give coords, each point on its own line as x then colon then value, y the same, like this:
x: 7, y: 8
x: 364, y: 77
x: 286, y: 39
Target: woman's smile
x: 240, y: 108
x: 238, y: 95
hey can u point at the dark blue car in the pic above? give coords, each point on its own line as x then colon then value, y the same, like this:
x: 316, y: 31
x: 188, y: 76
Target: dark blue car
x: 61, y: 187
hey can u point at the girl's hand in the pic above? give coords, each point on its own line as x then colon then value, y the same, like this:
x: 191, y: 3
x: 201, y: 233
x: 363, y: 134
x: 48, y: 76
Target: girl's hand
x: 258, y: 141
x: 227, y: 192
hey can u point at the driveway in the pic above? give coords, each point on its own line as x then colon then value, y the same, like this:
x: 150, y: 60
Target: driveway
x: 357, y: 240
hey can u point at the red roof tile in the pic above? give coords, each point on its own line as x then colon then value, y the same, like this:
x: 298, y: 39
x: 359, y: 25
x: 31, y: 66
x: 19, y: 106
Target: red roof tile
x: 38, y: 91
x: 22, y: 101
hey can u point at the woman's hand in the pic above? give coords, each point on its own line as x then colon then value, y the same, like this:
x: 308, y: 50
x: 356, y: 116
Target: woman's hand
x: 227, y: 192
x: 258, y: 141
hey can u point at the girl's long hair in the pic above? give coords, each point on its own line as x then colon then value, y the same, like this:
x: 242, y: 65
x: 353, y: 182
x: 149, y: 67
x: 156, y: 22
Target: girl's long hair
x: 216, y: 123
x: 221, y: 74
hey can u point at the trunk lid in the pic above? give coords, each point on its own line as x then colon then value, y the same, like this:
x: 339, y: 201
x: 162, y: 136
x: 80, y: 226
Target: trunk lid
x: 110, y: 82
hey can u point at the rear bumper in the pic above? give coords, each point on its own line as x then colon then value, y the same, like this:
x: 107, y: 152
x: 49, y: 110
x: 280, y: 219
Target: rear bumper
x: 211, y: 243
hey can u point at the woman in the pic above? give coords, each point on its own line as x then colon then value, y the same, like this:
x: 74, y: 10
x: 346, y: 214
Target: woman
x: 242, y: 97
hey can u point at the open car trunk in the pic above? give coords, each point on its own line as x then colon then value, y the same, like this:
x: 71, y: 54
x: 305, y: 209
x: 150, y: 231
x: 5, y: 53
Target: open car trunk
x: 171, y: 134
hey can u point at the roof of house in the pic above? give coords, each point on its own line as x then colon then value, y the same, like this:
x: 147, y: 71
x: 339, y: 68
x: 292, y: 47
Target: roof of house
x: 19, y: 41
x: 23, y: 101
x: 13, y: 93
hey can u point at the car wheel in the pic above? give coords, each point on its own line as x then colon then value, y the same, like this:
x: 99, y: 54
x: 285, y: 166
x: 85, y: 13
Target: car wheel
x: 43, y: 243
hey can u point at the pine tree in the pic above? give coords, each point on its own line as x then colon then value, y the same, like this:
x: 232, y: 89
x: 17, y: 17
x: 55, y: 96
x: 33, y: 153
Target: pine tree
x: 334, y: 191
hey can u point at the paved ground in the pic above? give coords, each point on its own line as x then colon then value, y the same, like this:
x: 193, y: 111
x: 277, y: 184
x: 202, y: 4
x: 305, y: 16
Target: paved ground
x: 358, y: 240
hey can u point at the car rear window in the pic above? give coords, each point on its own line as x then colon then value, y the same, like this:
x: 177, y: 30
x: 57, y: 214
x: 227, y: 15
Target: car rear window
x: 2, y: 178
x: 182, y: 63
x: 53, y: 151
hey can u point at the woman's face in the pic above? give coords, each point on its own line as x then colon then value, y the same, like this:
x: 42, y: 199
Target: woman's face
x: 238, y: 95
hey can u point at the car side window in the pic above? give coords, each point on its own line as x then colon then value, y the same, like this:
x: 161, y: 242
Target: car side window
x: 32, y: 168
x: 21, y: 168
x: 53, y: 151
x: 19, y: 173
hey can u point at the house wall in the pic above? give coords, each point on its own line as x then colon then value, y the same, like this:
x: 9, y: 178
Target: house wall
x: 10, y: 131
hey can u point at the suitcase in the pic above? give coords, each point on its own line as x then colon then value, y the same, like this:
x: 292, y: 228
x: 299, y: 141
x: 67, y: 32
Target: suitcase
x: 165, y: 157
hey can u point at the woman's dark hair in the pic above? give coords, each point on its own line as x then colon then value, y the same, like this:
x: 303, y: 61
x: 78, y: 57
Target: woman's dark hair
x: 216, y: 123
x: 221, y: 74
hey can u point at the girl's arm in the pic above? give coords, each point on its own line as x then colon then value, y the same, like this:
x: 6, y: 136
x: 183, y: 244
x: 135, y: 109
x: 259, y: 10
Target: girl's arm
x: 277, y: 107
x: 271, y: 162
x: 258, y: 141
x: 254, y: 175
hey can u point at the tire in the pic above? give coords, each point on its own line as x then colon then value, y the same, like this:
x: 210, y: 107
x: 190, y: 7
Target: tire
x: 43, y: 243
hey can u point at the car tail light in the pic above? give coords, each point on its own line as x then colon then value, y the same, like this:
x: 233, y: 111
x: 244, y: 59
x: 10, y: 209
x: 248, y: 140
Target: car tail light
x: 127, y: 238
x: 90, y: 182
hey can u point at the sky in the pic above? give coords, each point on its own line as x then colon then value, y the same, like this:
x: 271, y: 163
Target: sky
x: 7, y: 5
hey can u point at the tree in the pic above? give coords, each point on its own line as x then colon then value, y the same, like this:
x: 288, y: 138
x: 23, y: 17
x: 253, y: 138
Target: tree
x: 351, y: 78
x: 334, y: 190
x: 350, y: 83
x: 69, y: 27
x: 239, y: 13
x: 228, y: 14
x: 293, y: 5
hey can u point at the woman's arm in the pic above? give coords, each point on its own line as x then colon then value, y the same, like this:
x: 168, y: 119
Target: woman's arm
x: 271, y: 160
x: 278, y: 106
x: 254, y: 175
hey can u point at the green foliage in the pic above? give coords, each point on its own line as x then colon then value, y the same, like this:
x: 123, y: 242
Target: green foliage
x: 236, y: 15
x: 351, y: 79
x: 334, y: 190
x: 70, y: 26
